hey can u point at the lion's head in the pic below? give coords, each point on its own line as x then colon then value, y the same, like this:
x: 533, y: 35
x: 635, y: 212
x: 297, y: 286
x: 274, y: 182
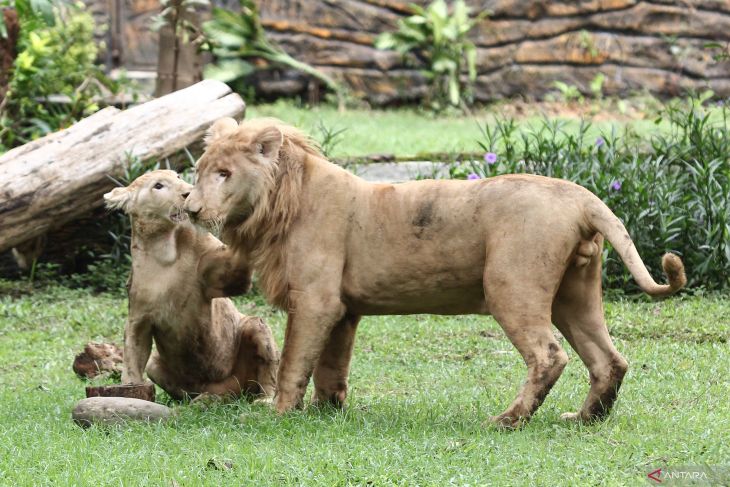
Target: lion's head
x: 157, y: 195
x: 247, y: 187
x: 243, y: 170
x: 235, y: 174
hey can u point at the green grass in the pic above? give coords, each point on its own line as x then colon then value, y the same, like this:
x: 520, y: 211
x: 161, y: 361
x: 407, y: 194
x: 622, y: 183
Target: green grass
x: 405, y: 132
x: 421, y: 390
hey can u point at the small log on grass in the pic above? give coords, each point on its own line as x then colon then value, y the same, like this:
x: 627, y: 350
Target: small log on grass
x: 53, y: 180
x: 115, y: 410
x: 145, y: 391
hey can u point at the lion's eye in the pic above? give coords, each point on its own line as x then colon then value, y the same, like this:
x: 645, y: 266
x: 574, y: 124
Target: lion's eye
x: 224, y: 173
x: 159, y: 186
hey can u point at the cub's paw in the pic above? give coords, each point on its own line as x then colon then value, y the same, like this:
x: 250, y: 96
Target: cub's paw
x: 264, y: 401
x: 575, y: 417
x: 206, y: 400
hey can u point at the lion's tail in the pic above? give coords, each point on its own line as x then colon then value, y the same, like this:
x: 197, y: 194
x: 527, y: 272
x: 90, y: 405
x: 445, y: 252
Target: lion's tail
x: 602, y: 219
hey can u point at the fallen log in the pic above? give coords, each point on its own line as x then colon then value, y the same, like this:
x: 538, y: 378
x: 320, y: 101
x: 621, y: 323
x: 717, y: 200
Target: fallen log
x: 58, y: 178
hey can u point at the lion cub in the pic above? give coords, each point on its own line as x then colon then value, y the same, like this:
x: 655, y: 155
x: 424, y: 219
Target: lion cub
x: 204, y: 345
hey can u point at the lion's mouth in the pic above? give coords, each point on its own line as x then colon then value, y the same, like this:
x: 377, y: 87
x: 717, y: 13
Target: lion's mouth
x: 178, y: 215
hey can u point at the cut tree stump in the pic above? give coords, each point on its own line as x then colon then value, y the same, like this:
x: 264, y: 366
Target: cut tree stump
x: 144, y: 391
x: 53, y: 180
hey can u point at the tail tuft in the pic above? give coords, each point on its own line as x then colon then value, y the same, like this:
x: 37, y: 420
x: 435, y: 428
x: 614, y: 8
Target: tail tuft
x: 674, y: 269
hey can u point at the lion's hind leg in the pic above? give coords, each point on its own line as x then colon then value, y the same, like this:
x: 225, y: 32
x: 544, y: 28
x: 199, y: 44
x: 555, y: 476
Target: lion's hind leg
x: 520, y: 299
x: 258, y: 359
x: 158, y: 373
x: 545, y: 361
x: 578, y: 314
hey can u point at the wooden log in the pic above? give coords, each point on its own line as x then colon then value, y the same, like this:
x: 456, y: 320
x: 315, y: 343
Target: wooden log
x: 116, y: 410
x: 145, y: 391
x: 64, y: 175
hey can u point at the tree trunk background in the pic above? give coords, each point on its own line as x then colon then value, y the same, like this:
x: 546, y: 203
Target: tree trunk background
x: 8, y: 49
x: 523, y: 46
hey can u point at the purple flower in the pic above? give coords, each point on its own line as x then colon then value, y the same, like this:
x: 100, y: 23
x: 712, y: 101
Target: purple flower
x: 473, y: 176
x: 600, y: 141
x: 490, y: 158
x: 615, y: 186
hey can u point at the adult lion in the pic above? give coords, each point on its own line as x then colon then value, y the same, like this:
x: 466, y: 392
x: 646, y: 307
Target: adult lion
x: 204, y: 345
x: 330, y: 247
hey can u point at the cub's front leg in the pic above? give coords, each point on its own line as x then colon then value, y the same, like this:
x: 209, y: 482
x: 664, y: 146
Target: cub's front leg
x: 137, y: 349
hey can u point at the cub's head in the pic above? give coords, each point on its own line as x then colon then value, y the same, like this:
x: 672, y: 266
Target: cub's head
x: 236, y: 173
x: 157, y: 195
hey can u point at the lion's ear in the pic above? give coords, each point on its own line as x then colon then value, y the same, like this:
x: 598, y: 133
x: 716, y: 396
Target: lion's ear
x: 118, y: 199
x: 221, y: 128
x: 269, y: 142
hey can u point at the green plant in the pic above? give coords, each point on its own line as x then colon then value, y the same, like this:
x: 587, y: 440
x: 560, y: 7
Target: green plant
x: 438, y: 37
x: 328, y: 137
x: 41, y: 11
x: 56, y: 59
x: 596, y: 86
x: 568, y: 93
x: 587, y: 43
x: 236, y: 38
x: 672, y: 193
x: 720, y: 52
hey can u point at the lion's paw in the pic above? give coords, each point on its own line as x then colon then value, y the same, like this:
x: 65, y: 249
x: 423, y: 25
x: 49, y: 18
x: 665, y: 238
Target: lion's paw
x: 507, y: 422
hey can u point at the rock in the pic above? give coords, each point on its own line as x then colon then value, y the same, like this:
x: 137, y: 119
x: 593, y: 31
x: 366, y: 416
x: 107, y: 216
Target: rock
x: 98, y: 358
x: 145, y: 391
x: 116, y: 410
x: 523, y: 46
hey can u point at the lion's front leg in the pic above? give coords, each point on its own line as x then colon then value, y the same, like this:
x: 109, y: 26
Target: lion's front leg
x: 309, y: 324
x: 333, y: 367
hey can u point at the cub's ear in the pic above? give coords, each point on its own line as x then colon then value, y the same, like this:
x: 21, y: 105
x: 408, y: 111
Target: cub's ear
x: 268, y: 142
x: 118, y: 199
x: 219, y: 129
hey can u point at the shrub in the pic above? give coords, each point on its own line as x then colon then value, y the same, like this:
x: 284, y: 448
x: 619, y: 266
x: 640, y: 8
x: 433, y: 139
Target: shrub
x: 53, y: 59
x: 438, y: 37
x: 672, y: 193
x: 238, y: 40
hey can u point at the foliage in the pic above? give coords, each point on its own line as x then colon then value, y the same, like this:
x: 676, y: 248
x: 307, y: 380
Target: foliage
x: 438, y: 37
x: 53, y: 60
x: 672, y: 194
x: 328, y: 137
x: 40, y: 11
x: 237, y: 39
x: 568, y: 93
